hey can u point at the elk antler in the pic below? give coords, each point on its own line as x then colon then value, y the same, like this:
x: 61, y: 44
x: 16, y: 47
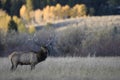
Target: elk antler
x: 46, y: 42
x: 51, y: 40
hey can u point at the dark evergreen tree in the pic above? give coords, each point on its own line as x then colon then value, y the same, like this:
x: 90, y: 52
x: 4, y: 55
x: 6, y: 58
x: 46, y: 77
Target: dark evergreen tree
x: 12, y: 26
x: 100, y: 7
x: 15, y: 7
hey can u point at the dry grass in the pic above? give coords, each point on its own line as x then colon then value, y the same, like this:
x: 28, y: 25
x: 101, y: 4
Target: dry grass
x: 68, y: 68
x: 90, y: 22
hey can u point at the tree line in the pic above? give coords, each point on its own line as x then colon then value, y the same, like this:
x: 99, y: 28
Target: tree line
x: 94, y: 7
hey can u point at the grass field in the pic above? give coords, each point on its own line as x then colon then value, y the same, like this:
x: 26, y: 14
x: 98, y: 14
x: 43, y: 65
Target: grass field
x: 68, y: 68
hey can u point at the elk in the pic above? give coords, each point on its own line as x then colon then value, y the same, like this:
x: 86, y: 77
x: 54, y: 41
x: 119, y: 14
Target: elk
x: 29, y: 58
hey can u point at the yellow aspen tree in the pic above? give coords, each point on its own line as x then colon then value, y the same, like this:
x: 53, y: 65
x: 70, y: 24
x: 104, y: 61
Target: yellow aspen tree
x: 38, y: 15
x: 4, y: 20
x: 66, y: 11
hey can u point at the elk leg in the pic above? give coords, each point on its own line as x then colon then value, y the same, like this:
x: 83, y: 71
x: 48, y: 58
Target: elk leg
x: 15, y: 66
x: 32, y: 66
x: 12, y: 67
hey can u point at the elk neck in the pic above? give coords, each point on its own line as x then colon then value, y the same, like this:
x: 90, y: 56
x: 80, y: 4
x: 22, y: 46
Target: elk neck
x: 42, y: 55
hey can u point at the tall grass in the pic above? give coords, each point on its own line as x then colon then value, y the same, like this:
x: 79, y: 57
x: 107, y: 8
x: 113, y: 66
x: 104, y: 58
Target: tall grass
x: 69, y: 68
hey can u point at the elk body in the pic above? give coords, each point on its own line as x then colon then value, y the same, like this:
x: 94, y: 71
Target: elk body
x: 29, y: 58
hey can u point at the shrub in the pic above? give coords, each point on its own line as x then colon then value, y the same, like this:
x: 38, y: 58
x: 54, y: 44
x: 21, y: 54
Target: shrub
x: 15, y: 42
x: 102, y: 43
x: 90, y: 39
x: 100, y: 36
x: 69, y: 41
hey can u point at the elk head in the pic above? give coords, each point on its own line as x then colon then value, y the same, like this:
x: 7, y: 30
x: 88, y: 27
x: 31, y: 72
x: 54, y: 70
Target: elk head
x: 44, y: 44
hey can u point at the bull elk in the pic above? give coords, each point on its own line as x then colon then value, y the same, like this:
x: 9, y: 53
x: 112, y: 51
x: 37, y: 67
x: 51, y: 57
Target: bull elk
x: 29, y: 58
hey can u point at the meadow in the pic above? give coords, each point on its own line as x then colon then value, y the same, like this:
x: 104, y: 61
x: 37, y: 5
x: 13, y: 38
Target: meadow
x: 65, y: 68
x: 82, y: 49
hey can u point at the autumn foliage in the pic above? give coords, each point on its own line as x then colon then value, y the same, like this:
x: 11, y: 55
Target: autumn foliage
x: 51, y: 13
x: 4, y: 20
x: 47, y: 14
